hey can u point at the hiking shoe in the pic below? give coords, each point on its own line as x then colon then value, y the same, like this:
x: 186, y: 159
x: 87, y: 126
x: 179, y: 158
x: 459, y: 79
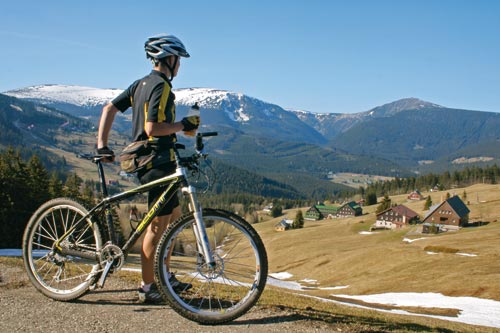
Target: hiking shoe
x: 150, y: 296
x: 177, y: 285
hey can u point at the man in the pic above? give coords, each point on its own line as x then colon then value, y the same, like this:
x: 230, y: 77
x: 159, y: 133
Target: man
x: 153, y: 108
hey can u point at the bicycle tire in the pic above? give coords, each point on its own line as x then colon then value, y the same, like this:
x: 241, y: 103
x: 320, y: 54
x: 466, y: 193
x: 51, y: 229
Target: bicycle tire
x: 220, y: 295
x: 60, y: 277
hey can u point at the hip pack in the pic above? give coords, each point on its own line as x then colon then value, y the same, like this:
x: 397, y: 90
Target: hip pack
x: 137, y: 156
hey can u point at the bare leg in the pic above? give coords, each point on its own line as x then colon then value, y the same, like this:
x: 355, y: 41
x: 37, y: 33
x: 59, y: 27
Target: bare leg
x: 151, y: 239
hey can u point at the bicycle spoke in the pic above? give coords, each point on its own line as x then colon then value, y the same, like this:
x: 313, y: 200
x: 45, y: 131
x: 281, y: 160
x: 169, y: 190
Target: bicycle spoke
x: 226, y: 288
x: 57, y: 275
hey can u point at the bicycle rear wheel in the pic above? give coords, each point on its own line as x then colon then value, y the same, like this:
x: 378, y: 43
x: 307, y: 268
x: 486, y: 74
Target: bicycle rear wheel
x: 219, y: 294
x: 58, y: 276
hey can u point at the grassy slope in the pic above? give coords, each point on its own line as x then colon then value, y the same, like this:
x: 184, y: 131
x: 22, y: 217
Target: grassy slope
x: 335, y: 254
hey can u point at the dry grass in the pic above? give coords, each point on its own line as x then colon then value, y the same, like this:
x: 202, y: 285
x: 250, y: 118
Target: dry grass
x: 335, y: 254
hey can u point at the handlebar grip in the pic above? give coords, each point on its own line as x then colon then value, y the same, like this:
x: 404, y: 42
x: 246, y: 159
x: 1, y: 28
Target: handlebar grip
x: 199, y: 139
x: 208, y: 134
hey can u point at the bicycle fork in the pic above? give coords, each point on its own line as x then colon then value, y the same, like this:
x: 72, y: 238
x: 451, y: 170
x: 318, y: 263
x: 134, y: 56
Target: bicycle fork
x: 199, y: 227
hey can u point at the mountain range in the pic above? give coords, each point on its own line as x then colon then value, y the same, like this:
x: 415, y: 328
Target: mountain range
x: 398, y: 138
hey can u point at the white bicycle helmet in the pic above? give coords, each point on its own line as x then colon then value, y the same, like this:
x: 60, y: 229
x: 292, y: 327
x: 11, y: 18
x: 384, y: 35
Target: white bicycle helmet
x: 163, y: 45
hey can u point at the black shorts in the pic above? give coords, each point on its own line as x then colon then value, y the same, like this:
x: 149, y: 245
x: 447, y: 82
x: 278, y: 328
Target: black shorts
x: 153, y: 195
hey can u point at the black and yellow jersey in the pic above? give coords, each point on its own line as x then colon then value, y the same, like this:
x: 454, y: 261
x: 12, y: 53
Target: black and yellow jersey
x: 152, y: 100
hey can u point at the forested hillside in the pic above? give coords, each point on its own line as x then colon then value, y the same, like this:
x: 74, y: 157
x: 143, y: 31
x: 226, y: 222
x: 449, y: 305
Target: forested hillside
x: 426, y: 134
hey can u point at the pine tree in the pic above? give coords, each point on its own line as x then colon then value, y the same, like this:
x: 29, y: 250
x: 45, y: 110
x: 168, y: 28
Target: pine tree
x: 371, y: 198
x: 15, y: 200
x: 55, y: 186
x: 38, y: 181
x: 428, y: 203
x: 72, y: 187
x: 384, y: 205
x: 298, y: 222
x: 276, y: 211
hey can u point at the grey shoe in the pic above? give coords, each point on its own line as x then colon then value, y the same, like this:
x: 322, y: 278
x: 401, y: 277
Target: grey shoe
x: 177, y: 285
x: 150, y: 296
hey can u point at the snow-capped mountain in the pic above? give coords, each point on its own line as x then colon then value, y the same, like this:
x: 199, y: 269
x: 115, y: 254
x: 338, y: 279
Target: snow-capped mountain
x: 245, y: 113
x: 218, y: 108
x: 407, y: 130
x: 85, y: 97
x: 79, y: 101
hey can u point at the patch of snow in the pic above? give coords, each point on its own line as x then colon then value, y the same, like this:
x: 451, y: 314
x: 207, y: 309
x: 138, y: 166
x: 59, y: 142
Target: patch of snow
x: 367, y: 233
x: 290, y: 285
x: 466, y: 254
x: 408, y: 240
x: 281, y: 275
x: 430, y: 252
x: 473, y: 310
x: 10, y: 253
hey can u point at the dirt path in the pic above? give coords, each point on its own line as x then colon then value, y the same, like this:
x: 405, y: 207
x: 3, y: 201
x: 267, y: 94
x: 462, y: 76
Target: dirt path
x: 115, y: 309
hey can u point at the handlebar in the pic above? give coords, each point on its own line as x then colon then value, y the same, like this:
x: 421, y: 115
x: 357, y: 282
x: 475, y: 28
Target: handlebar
x: 198, y: 146
x: 199, y: 139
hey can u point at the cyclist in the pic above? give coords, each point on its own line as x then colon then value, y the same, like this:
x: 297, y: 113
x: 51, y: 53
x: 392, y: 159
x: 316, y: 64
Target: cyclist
x: 153, y: 108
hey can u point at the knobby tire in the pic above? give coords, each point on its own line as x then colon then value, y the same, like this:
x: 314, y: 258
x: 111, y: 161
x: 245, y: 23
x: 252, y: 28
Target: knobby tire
x: 217, y: 295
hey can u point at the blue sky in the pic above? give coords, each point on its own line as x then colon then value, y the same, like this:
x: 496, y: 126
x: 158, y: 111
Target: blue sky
x: 321, y: 56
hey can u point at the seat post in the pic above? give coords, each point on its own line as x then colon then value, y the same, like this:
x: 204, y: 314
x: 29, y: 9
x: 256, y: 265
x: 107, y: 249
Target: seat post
x: 102, y: 178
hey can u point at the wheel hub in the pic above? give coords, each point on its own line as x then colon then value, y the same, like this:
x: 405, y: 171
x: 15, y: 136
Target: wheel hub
x: 214, y: 272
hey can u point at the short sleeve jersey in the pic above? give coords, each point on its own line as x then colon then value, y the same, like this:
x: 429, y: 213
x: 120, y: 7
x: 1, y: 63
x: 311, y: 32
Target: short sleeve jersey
x: 152, y: 100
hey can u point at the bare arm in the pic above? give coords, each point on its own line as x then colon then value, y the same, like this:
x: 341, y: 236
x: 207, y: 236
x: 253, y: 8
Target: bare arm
x: 107, y: 117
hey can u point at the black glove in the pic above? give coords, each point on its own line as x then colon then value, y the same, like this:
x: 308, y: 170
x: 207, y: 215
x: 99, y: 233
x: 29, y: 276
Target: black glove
x: 190, y: 123
x: 106, y: 151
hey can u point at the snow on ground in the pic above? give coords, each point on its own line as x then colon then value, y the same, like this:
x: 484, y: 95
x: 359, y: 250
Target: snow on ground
x: 473, y: 310
x: 281, y: 275
x: 466, y: 254
x: 367, y: 232
x: 408, y: 240
x: 10, y: 253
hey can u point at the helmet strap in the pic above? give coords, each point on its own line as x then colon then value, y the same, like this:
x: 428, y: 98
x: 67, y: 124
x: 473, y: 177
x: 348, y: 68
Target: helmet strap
x: 170, y: 68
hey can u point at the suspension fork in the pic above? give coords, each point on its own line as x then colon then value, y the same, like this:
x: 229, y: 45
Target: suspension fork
x: 199, y: 227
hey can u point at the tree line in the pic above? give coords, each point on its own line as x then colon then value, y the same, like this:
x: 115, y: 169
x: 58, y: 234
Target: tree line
x: 445, y: 180
x: 26, y: 184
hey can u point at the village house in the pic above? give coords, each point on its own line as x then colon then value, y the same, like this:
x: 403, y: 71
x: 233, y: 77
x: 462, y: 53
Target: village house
x: 448, y: 215
x: 350, y: 209
x: 415, y: 195
x: 396, y: 217
x: 283, y: 225
x: 319, y: 212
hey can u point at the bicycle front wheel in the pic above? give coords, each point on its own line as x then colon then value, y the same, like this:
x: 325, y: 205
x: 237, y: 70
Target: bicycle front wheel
x: 211, y: 295
x: 58, y: 276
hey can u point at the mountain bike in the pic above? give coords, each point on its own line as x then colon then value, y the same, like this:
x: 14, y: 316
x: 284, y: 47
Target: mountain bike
x: 69, y: 250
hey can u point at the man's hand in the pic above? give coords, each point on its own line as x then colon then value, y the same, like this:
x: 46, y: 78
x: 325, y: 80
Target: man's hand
x: 110, y: 155
x: 190, y: 123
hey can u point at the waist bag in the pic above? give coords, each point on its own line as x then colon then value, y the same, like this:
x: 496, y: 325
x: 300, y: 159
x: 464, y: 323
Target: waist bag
x: 137, y: 156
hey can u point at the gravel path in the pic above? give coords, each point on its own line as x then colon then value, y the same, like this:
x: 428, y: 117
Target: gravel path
x: 115, y: 309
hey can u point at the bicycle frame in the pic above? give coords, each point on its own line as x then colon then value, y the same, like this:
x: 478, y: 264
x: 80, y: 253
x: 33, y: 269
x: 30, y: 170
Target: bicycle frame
x: 175, y: 181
